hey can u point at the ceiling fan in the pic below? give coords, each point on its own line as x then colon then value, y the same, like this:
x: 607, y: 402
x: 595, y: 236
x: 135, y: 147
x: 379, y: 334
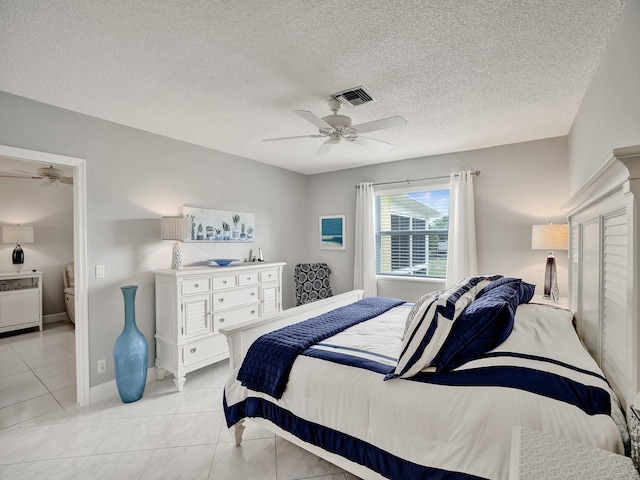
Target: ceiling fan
x: 51, y: 175
x: 336, y: 128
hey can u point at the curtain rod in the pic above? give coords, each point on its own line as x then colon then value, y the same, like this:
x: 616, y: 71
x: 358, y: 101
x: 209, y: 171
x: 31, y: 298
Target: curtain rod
x: 475, y: 173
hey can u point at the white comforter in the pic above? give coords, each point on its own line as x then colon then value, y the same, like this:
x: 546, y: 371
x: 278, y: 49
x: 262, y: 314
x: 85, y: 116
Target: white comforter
x: 457, y: 429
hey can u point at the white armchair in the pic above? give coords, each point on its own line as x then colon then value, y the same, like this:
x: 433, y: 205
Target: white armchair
x: 69, y: 291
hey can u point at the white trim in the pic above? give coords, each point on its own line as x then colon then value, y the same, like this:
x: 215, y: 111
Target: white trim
x: 426, y: 186
x: 109, y: 389
x: 55, y: 318
x: 400, y: 278
x: 608, y: 177
x: 79, y: 254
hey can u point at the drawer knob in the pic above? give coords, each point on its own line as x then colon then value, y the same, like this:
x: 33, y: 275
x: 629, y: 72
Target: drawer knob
x: 253, y: 294
x: 224, y: 282
x: 193, y: 350
x: 222, y: 320
x: 253, y: 312
x: 196, y: 285
x: 221, y: 300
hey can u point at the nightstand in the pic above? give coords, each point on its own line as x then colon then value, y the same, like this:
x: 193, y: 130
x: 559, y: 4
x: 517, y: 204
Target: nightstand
x: 542, y: 456
x: 20, y: 300
x: 563, y: 302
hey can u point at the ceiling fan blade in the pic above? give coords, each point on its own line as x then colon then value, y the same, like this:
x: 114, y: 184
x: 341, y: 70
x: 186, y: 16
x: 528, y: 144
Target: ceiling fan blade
x: 381, y: 124
x: 372, y: 143
x: 13, y: 175
x: 67, y: 180
x: 291, y: 138
x: 313, y: 118
x: 325, y: 147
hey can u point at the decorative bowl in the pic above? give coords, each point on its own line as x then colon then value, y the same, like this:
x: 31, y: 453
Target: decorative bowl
x: 223, y: 262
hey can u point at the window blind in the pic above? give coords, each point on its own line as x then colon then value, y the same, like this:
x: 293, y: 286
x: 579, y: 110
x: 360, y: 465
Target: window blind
x: 412, y: 233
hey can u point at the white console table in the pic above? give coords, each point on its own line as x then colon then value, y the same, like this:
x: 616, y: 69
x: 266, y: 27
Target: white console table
x: 20, y: 300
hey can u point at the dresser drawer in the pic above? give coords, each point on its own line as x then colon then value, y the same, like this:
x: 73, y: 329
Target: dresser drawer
x: 228, y: 281
x: 202, y: 349
x: 270, y: 275
x: 232, y: 298
x: 247, y: 278
x: 195, y: 285
x: 235, y: 316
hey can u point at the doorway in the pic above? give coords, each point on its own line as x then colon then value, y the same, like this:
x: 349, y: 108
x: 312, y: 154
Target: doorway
x: 78, y: 166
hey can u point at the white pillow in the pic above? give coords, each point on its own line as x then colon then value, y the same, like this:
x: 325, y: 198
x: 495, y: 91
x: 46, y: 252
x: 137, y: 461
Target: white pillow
x: 419, y: 308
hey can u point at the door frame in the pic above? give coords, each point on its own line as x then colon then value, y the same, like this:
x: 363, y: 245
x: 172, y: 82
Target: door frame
x: 79, y: 255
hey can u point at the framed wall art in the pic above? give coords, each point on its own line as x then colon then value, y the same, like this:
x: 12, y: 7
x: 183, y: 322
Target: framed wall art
x: 208, y: 225
x: 332, y: 232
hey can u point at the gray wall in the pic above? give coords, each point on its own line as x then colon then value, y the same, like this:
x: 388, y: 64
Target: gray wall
x: 133, y: 178
x: 520, y: 185
x: 609, y: 115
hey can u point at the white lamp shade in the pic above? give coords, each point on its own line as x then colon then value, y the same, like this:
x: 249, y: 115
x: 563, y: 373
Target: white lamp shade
x: 176, y: 228
x: 17, y: 234
x: 550, y: 237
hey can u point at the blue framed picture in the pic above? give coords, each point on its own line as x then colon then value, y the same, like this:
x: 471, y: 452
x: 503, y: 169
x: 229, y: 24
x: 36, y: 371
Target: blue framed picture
x: 332, y: 232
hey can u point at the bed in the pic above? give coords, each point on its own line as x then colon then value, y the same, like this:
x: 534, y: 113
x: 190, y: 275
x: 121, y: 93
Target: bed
x: 368, y: 401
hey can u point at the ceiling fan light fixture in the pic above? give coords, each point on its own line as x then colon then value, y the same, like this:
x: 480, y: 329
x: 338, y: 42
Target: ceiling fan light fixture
x: 335, y: 127
x: 336, y: 120
x: 50, y: 172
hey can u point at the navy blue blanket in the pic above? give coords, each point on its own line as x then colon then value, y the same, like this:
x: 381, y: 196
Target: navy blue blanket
x: 269, y: 359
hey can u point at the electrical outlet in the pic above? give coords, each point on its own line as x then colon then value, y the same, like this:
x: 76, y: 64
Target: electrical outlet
x: 102, y: 365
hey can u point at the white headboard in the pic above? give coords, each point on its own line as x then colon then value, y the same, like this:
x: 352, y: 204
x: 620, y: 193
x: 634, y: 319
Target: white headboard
x: 604, y: 268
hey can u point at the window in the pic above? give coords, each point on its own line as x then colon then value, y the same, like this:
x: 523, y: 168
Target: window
x: 412, y: 231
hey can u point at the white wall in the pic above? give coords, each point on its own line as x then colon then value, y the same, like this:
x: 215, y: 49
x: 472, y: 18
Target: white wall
x: 520, y: 185
x: 50, y: 210
x: 134, y: 178
x: 609, y: 115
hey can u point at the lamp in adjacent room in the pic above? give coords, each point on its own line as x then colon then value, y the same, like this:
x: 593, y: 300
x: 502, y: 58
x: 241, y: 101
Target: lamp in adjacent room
x: 550, y: 237
x: 176, y: 229
x: 17, y: 234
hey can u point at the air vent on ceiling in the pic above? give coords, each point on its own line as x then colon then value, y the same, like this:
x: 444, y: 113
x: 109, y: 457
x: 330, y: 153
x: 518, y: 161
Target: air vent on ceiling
x: 354, y: 96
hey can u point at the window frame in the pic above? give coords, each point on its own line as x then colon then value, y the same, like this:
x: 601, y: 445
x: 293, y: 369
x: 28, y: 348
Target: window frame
x: 379, y: 234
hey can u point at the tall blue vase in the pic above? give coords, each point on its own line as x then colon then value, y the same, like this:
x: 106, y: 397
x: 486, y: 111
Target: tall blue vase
x: 130, y: 352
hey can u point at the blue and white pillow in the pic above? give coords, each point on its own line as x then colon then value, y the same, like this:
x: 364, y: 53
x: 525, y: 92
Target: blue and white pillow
x: 484, y: 324
x: 418, y: 309
x: 432, y: 323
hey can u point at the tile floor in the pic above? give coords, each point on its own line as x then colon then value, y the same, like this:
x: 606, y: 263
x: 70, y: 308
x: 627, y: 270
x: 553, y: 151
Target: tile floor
x: 165, y: 435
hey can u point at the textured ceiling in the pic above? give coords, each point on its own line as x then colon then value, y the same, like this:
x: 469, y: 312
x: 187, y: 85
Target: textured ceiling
x: 226, y: 74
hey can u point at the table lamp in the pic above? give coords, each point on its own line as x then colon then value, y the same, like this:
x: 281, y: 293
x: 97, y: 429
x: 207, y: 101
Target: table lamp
x: 550, y: 237
x: 176, y: 229
x: 17, y: 234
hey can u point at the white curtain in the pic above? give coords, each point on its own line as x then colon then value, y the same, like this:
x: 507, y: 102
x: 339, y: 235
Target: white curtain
x: 462, y: 258
x: 364, y: 265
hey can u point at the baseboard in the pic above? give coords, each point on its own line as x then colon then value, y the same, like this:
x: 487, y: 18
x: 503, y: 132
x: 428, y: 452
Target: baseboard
x: 109, y: 389
x: 55, y: 317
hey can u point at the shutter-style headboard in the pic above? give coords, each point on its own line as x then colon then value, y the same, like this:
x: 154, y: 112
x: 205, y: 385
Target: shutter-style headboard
x: 605, y: 268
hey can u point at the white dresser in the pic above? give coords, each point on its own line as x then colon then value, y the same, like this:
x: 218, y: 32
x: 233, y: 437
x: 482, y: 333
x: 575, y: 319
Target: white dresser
x: 193, y: 303
x: 20, y: 300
